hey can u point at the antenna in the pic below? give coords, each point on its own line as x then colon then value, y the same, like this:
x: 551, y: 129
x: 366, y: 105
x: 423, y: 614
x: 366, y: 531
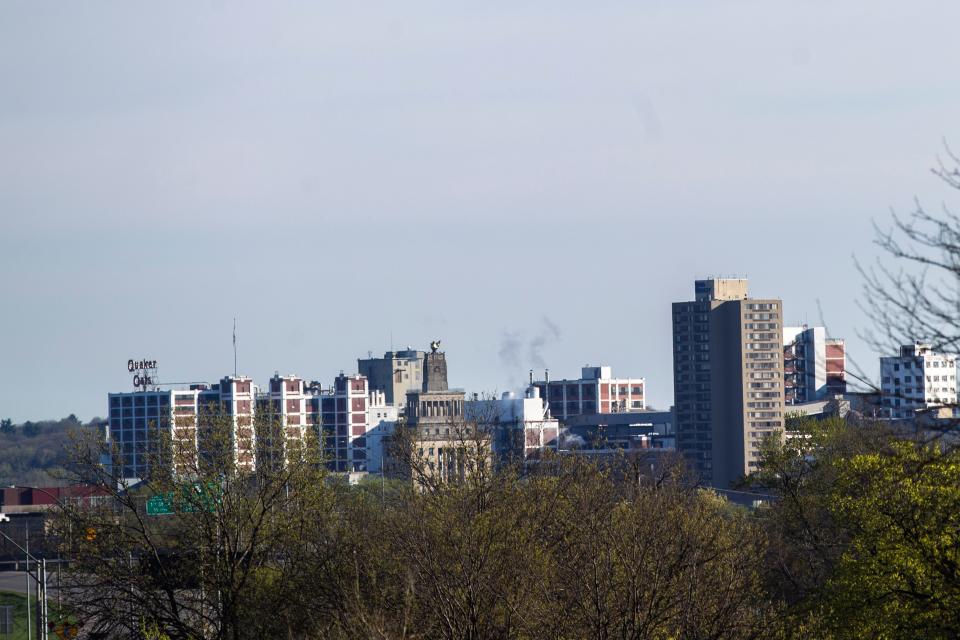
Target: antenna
x: 234, y: 347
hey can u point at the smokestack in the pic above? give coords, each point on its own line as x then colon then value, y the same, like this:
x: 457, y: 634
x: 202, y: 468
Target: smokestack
x: 531, y: 377
x: 546, y: 375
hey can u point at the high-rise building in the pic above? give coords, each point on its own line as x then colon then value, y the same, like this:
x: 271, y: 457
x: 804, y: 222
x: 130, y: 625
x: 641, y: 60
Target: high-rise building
x: 596, y: 391
x: 337, y: 415
x: 350, y: 422
x: 727, y: 378
x: 141, y: 422
x: 917, y: 379
x: 814, y: 365
x: 395, y: 374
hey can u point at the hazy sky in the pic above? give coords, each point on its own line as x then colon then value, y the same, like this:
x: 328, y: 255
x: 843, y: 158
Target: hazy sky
x: 531, y: 182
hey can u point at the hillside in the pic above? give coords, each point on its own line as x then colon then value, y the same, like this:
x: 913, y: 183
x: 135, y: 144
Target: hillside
x: 34, y: 453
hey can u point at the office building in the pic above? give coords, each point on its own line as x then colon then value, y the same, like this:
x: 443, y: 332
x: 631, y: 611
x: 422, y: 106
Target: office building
x: 350, y: 424
x: 918, y: 379
x: 338, y: 416
x: 446, y: 446
x: 596, y: 391
x: 149, y: 426
x: 395, y: 374
x: 341, y: 413
x: 814, y: 365
x: 727, y: 378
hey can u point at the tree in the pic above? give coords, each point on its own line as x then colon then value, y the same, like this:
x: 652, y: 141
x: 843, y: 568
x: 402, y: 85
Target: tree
x: 194, y: 573
x: 31, y: 429
x: 6, y: 427
x: 654, y: 558
x: 917, y: 297
x: 864, y: 538
x: 900, y: 574
x: 913, y: 293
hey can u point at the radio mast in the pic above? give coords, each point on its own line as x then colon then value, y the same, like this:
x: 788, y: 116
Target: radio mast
x: 234, y: 347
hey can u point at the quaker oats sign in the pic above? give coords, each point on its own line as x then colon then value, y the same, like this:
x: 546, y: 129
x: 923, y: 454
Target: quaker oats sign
x: 144, y: 372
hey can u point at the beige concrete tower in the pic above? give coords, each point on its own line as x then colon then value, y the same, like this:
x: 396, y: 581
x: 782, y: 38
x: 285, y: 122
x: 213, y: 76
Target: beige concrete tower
x: 727, y: 378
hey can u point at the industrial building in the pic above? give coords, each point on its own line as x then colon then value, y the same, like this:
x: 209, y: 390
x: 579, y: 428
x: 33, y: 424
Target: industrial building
x: 595, y: 391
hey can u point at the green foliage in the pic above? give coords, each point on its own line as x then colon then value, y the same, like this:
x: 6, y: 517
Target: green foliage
x: 38, y: 459
x: 862, y: 543
x: 19, y: 604
x: 899, y: 577
x: 865, y: 541
x: 575, y: 550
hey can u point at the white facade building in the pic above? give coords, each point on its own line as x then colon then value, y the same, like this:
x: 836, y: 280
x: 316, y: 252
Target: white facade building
x: 136, y: 420
x: 917, y: 379
x: 381, y: 422
x: 814, y: 365
x: 521, y: 426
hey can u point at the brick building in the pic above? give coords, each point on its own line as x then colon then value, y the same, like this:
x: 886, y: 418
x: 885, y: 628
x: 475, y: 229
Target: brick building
x: 814, y: 366
x: 596, y: 391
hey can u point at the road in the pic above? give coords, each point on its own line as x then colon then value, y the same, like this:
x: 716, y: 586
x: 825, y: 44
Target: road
x: 16, y: 582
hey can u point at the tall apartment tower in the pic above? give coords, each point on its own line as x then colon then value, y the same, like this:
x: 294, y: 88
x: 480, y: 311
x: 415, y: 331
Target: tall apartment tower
x: 727, y: 378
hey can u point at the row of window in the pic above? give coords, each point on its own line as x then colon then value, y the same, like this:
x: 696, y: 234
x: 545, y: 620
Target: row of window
x: 933, y: 364
x: 944, y: 378
x: 140, y: 400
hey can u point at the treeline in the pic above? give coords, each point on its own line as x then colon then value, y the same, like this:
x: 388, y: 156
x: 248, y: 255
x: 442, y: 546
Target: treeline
x: 35, y: 453
x: 862, y: 541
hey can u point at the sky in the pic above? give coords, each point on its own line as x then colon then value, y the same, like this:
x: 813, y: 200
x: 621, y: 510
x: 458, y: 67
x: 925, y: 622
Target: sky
x: 533, y: 183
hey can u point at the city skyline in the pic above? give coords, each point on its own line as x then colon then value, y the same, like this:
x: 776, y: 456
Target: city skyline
x: 534, y: 185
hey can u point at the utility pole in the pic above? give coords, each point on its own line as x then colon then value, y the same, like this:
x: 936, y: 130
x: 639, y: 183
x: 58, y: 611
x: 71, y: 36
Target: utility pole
x: 234, y: 347
x: 26, y: 533
x: 43, y: 629
x: 40, y: 605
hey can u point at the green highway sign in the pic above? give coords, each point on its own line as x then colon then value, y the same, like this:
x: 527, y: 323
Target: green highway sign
x: 162, y: 504
x: 159, y: 505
